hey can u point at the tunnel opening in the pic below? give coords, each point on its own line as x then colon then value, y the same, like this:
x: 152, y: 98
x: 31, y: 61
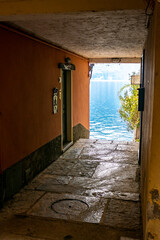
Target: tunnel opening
x: 114, y: 102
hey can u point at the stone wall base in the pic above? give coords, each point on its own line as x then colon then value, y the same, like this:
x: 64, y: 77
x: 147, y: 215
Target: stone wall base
x: 79, y: 131
x: 15, y: 177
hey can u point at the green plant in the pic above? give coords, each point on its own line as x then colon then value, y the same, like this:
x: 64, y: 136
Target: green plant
x: 128, y: 111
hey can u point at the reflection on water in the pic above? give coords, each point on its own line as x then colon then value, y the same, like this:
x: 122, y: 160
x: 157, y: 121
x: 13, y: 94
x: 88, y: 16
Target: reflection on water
x: 105, y: 121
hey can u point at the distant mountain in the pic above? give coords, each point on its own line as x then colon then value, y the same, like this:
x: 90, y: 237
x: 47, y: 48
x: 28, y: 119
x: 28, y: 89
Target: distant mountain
x: 113, y: 71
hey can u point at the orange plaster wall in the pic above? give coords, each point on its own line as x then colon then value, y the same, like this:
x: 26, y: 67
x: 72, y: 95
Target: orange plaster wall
x: 81, y: 95
x: 28, y: 73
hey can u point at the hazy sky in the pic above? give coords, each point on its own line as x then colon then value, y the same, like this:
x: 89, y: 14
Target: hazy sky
x: 123, y: 69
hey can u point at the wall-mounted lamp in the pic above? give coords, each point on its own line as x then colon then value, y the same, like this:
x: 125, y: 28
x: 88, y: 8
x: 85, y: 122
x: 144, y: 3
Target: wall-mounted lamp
x: 116, y: 60
x: 67, y: 65
x: 67, y: 60
x: 90, y: 70
x: 135, y: 80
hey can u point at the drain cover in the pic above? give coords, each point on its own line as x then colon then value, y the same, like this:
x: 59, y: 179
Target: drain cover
x: 69, y: 206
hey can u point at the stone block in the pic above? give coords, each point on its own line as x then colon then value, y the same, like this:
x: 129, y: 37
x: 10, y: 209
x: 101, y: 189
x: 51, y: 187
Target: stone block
x: 69, y: 207
x: 15, y: 177
x: 123, y: 214
x: 79, y: 131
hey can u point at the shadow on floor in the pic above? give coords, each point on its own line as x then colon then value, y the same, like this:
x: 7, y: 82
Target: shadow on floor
x: 90, y: 192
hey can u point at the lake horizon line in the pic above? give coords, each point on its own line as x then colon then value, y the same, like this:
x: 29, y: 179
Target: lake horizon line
x: 100, y: 80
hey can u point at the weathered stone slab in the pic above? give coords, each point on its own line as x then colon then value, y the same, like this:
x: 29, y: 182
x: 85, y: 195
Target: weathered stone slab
x: 94, y: 187
x: 105, y: 185
x: 123, y: 214
x: 101, y: 147
x: 58, y: 229
x: 120, y: 142
x: 83, y: 168
x: 97, y: 158
x: 65, y: 188
x: 69, y: 207
x: 77, y: 147
x: 133, y: 148
x: 125, y: 160
x: 41, y: 178
x: 80, y: 145
x: 95, y: 154
x: 103, y: 141
x: 53, y: 181
x: 61, y: 167
x: 133, y: 143
x: 20, y: 203
x: 125, y: 157
x: 95, y: 151
x: 116, y: 171
x: 124, y: 154
x: 71, y: 153
x: 100, y: 192
x: 125, y: 187
x: 83, y: 140
x: 89, y: 183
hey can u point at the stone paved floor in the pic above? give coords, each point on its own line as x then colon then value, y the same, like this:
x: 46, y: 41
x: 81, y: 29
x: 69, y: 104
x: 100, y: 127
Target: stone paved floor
x: 90, y: 192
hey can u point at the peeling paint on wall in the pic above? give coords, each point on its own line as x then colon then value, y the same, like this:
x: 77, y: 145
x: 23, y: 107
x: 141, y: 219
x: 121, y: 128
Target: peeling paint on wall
x: 153, y: 229
x: 154, y: 206
x: 153, y: 214
x: 150, y: 236
x: 155, y: 194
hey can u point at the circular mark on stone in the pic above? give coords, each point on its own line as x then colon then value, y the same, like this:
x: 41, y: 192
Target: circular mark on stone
x: 69, y: 206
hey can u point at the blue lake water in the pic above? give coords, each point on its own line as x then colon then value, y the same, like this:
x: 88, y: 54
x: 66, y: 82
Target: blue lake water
x: 105, y: 121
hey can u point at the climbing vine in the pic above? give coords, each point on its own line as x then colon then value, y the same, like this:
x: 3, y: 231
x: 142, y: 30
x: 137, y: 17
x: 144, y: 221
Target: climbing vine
x: 128, y: 111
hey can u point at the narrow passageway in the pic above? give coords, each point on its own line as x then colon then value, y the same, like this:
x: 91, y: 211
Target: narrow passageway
x: 90, y: 192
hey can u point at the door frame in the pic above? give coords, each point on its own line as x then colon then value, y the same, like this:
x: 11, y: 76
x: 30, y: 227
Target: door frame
x: 141, y: 112
x: 69, y: 86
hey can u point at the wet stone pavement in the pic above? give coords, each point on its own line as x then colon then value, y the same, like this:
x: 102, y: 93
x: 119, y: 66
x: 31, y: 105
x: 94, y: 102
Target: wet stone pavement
x: 90, y: 192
